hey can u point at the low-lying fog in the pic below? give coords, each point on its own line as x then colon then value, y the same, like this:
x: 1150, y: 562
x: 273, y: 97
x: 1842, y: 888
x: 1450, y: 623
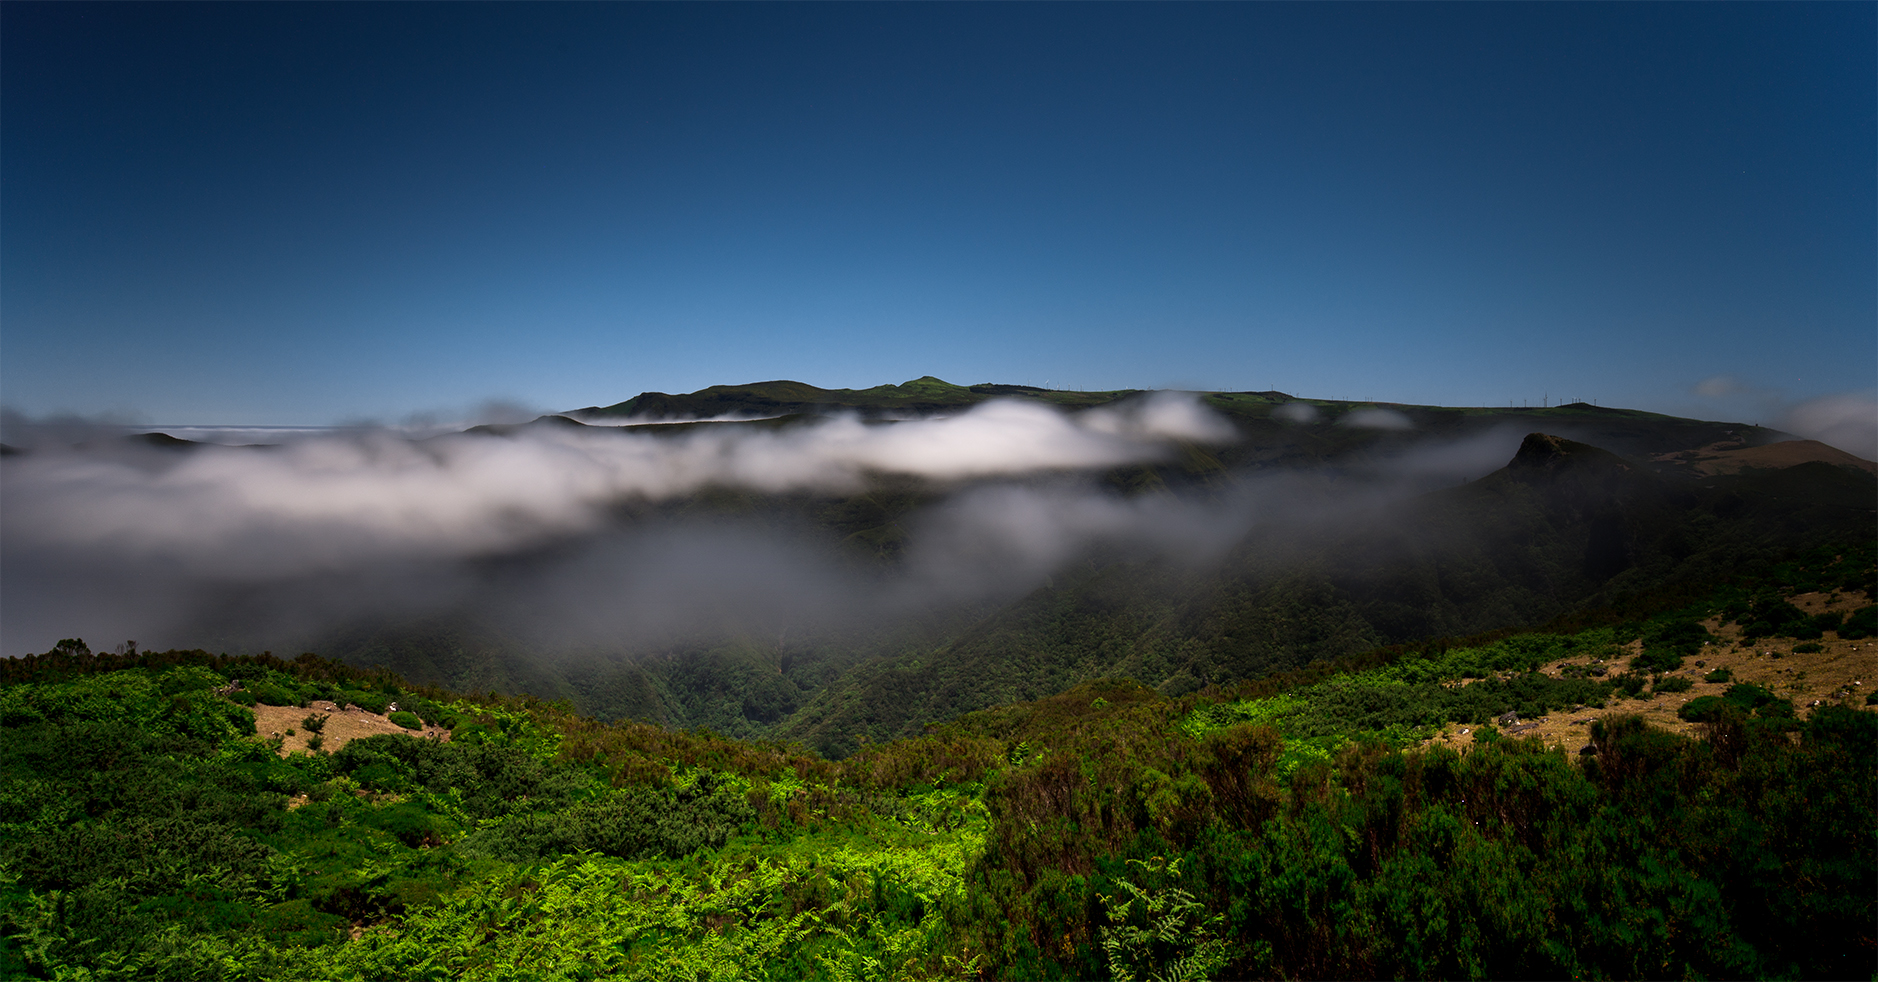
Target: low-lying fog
x: 575, y: 537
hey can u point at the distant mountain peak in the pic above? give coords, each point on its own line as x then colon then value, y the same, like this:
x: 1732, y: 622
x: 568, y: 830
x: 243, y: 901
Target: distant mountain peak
x: 1591, y: 483
x: 1545, y: 452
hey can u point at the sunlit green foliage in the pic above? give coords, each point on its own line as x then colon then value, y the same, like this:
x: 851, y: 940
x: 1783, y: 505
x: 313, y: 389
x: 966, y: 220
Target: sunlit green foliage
x: 1162, y: 934
x: 1288, y: 828
x: 1400, y: 704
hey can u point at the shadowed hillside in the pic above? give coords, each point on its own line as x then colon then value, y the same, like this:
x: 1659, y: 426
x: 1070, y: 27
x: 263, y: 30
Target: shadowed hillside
x: 1564, y: 530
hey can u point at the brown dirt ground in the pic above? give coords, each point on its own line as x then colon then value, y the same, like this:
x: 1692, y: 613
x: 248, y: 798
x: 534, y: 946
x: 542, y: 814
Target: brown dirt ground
x: 1843, y: 673
x: 1730, y: 457
x: 342, y: 726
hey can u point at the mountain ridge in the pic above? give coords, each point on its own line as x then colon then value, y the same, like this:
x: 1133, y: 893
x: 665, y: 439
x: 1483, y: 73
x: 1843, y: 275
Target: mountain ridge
x: 1597, y: 505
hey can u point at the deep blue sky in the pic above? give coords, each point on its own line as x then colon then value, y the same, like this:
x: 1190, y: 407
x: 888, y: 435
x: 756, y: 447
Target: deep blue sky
x: 306, y: 213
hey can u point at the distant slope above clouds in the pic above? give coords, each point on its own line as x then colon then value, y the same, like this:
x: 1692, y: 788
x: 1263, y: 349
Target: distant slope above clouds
x: 919, y: 397
x: 1731, y: 457
x: 1274, y: 428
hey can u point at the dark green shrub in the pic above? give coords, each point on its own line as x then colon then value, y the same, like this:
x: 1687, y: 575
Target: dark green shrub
x: 297, y: 922
x: 381, y: 776
x: 1630, y: 752
x: 407, y: 720
x: 1762, y: 702
x: 371, y: 702
x: 269, y: 694
x: 1778, y: 612
x: 1673, y: 683
x: 431, y: 711
x: 1666, y: 643
x: 1808, y: 648
x: 1701, y: 709
x: 1682, y: 636
x: 242, y: 697
x: 469, y: 734
x: 321, y: 690
x: 1777, y: 709
x: 1828, y: 621
x: 410, y: 824
x: 1748, y: 696
x: 495, y: 780
x: 1772, y: 616
x: 1657, y: 660
x: 1862, y: 624
x: 1719, y: 675
x: 1758, y: 629
x: 188, y: 678
x: 1855, y: 731
x: 636, y: 822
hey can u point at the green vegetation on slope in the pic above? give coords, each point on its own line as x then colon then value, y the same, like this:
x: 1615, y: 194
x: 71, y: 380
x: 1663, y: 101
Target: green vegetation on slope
x: 1292, y: 826
x: 1589, y: 543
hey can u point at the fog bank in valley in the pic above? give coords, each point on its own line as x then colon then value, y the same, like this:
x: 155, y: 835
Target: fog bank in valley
x: 571, y: 537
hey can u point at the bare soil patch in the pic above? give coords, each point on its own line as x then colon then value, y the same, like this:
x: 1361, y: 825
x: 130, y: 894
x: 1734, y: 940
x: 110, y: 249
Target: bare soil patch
x: 343, y: 725
x: 1842, y: 673
x: 1729, y: 457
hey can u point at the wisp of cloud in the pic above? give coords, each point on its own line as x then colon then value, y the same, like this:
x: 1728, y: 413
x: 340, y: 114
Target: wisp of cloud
x: 135, y: 538
x: 1848, y: 421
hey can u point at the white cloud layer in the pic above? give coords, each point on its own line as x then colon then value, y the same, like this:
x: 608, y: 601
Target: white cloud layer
x: 325, y: 503
x: 553, y: 532
x: 1848, y: 421
x: 1296, y: 412
x: 1376, y: 419
x: 106, y: 537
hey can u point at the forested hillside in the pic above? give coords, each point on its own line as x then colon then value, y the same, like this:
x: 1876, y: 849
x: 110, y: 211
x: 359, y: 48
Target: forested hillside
x: 1564, y: 530
x: 1406, y: 812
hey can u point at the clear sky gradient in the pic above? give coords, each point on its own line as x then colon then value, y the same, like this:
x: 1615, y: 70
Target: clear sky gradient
x: 311, y: 213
